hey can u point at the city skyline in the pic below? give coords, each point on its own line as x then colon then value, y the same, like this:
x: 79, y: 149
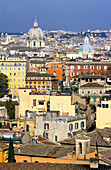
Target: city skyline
x: 73, y: 15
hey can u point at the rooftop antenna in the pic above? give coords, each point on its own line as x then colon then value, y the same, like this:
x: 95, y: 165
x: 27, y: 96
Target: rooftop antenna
x: 97, y: 149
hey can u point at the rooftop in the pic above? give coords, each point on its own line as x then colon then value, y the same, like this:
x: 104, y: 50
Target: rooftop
x: 42, y: 150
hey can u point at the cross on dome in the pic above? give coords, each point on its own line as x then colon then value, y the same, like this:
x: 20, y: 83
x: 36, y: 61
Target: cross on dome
x: 35, y: 23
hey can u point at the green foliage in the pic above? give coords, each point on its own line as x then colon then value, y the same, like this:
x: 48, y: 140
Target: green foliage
x: 3, y: 85
x: 10, y: 105
x: 75, y: 89
x: 11, y: 152
x: 88, y: 99
x: 0, y: 124
x: 93, y: 107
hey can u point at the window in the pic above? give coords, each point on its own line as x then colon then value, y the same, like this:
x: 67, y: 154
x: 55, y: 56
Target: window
x: 105, y: 106
x: 41, y: 103
x: 78, y: 73
x: 70, y: 126
x: 72, y: 67
x: 22, y: 80
x: 34, y: 43
x: 18, y: 74
x: 15, y: 64
x: 78, y: 67
x: 10, y: 80
x: 22, y: 68
x: 80, y: 147
x: 34, y: 82
x: 25, y: 161
x: 54, y: 67
x: 88, y: 91
x: 91, y: 67
x: 22, y: 74
x: 19, y: 64
x: 18, y: 86
x: 76, y: 125
x: 10, y: 64
x: 2, y: 64
x: 46, y: 135
x: 47, y: 82
x: 18, y: 68
x: 18, y: 80
x: 51, y: 67
x: 82, y: 124
x: 14, y: 80
x: 57, y: 67
x: 98, y: 67
x: 14, y: 74
x: 43, y: 87
x: 85, y: 67
x: 5, y: 68
x: 100, y: 91
x: 34, y: 102
x: 14, y: 68
x: 14, y: 86
x: 14, y: 91
x: 39, y: 82
x: 72, y: 74
x: 10, y: 74
x: 10, y: 86
x: 55, y: 138
x: 1, y: 68
x: 46, y: 126
x: 82, y: 91
x: 105, y: 67
x: 10, y: 68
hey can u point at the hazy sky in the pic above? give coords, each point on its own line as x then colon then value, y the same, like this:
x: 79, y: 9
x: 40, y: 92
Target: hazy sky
x: 74, y: 15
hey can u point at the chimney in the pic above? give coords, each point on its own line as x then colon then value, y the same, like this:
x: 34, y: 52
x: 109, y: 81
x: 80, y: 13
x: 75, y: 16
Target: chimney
x: 74, y: 156
x: 18, y: 150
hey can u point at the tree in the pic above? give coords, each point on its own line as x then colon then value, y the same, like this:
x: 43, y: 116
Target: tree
x: 11, y: 152
x: 88, y: 99
x: 3, y: 85
x: 10, y: 105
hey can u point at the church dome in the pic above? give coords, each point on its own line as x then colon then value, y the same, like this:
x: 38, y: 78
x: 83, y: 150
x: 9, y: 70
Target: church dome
x: 35, y: 32
x: 86, y: 47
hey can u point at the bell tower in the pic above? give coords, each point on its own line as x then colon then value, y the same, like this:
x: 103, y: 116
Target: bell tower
x: 82, y: 145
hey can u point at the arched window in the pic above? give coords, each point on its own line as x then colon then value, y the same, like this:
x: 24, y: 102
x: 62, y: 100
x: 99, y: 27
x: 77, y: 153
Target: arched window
x: 34, y: 43
x: 76, y: 125
x: 82, y: 124
x: 70, y: 126
x: 80, y: 147
x: 27, y: 128
x: 46, y: 126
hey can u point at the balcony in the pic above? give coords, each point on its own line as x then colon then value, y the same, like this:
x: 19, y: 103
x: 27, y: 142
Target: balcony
x: 41, y: 107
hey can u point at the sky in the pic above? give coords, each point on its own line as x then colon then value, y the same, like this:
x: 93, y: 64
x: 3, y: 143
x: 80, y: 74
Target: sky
x: 70, y: 15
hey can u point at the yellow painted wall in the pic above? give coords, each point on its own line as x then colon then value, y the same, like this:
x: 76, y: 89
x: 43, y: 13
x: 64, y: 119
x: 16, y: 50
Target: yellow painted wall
x: 103, y: 116
x: 16, y: 74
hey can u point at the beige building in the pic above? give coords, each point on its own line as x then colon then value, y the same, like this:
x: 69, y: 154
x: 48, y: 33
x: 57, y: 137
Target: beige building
x: 59, y: 128
x: 103, y: 115
x: 31, y: 101
x: 63, y: 104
